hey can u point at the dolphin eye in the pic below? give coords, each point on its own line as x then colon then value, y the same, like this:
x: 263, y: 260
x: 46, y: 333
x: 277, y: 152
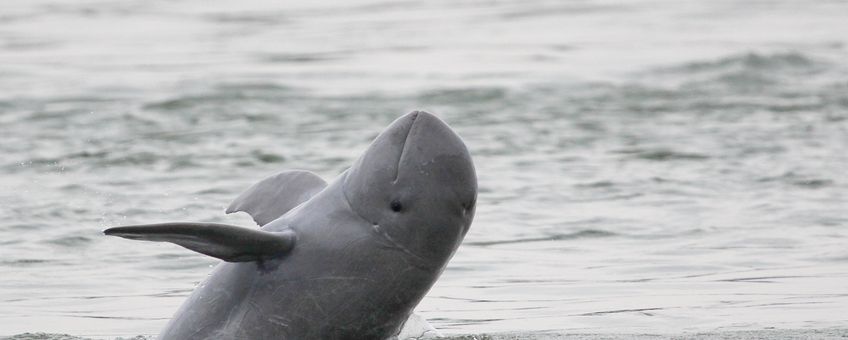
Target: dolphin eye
x: 396, y: 206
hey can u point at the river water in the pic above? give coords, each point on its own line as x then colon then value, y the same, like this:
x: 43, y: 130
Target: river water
x: 659, y: 167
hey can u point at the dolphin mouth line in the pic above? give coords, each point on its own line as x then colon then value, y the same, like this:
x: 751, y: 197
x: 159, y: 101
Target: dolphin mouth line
x: 404, y: 146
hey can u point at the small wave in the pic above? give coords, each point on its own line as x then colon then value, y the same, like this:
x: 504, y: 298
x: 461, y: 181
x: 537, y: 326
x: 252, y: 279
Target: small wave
x: 43, y: 336
x: 300, y: 58
x: 761, y: 279
x: 782, y: 77
x: 755, y: 61
x: 264, y: 18
x: 596, y: 184
x: 224, y: 94
x: 23, y: 262
x: 49, y: 336
x: 182, y: 163
x: 588, y: 233
x: 464, y: 95
x: 176, y: 104
x: 526, y: 12
x: 267, y: 157
x: 74, y: 241
x: 799, y: 180
x: 133, y: 158
x: 662, y: 154
x: 618, y: 311
x: 813, y: 183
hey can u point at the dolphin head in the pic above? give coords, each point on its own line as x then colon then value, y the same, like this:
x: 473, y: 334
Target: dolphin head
x: 416, y: 185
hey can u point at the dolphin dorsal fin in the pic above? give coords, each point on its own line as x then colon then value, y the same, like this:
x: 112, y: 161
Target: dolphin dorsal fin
x: 272, y: 197
x: 226, y: 242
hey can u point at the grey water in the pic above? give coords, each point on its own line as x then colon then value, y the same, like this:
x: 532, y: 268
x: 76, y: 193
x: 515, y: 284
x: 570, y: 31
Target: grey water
x: 645, y: 167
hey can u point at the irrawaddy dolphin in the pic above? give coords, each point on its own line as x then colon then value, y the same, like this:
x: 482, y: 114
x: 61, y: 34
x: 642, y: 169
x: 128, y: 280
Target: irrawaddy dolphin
x: 348, y: 260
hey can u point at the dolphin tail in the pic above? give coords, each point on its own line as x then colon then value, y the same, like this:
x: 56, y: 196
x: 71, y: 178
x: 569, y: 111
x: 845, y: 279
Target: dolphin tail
x: 226, y: 242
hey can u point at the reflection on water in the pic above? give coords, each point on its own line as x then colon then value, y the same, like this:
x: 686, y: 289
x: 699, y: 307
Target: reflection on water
x: 644, y: 167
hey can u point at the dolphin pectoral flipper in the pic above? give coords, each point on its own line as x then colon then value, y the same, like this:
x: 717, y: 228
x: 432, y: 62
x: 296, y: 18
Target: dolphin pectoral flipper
x: 272, y: 197
x: 226, y: 242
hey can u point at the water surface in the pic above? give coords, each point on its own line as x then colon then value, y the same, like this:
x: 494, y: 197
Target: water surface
x: 645, y: 167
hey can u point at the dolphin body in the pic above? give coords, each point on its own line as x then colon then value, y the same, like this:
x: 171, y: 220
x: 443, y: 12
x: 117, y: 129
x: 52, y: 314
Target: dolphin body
x: 348, y: 260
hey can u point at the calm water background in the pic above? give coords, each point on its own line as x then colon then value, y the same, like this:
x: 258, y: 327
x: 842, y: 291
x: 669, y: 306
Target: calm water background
x: 644, y: 166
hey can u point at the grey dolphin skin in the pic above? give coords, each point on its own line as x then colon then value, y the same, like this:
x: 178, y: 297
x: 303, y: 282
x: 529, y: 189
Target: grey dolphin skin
x: 348, y: 260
